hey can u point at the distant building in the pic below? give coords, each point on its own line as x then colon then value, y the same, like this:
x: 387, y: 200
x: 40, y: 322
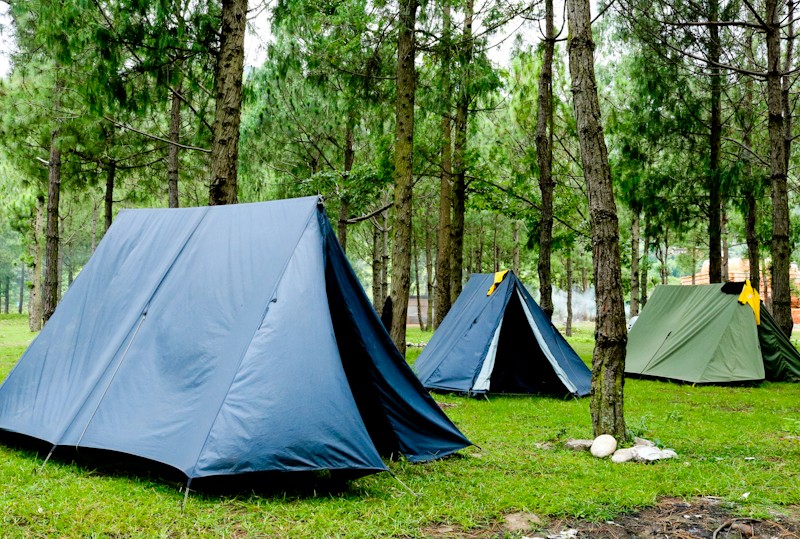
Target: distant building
x: 739, y: 270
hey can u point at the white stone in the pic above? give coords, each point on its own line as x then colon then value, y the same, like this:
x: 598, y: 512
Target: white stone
x: 652, y: 454
x: 578, y: 445
x: 643, y: 441
x: 622, y: 455
x: 603, y: 446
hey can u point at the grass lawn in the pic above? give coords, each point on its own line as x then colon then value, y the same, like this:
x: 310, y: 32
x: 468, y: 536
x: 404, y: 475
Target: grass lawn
x: 735, y: 443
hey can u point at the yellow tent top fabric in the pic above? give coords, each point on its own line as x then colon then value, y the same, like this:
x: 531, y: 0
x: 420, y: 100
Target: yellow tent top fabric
x: 749, y: 296
x: 498, y: 278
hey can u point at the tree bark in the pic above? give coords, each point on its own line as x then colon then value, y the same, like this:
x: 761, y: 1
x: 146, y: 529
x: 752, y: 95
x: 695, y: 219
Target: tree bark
x: 403, y: 170
x: 228, y: 91
x: 715, y: 141
x: 111, y: 172
x: 50, y: 293
x: 459, y: 155
x: 635, y: 262
x: 608, y: 359
x: 544, y: 157
x: 377, y: 253
x: 344, y: 200
x: 781, y: 299
x: 568, y: 328
x: 173, y: 161
x: 35, y: 296
x: 515, y: 262
x: 751, y: 216
x: 645, y: 265
x: 723, y: 217
x: 429, y: 277
x: 415, y: 251
x: 21, y: 288
x: 443, y: 247
x: 786, y: 83
x: 94, y: 226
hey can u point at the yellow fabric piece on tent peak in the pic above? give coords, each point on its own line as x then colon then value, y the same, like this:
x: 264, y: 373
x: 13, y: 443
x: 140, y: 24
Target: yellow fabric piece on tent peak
x: 498, y: 278
x: 749, y: 296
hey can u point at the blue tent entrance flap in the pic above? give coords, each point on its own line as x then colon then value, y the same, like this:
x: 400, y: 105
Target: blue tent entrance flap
x: 222, y: 341
x: 501, y: 343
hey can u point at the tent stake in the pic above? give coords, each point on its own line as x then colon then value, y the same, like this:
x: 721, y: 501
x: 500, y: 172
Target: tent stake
x: 50, y: 454
x: 186, y: 494
x: 404, y: 485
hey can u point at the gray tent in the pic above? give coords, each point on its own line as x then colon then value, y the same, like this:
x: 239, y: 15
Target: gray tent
x: 224, y: 340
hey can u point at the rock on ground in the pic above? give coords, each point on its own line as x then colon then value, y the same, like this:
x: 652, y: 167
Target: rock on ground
x: 603, y: 446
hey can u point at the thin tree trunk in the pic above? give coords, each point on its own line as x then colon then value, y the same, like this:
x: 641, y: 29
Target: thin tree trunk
x: 377, y: 253
x: 781, y: 298
x: 111, y: 172
x: 349, y: 158
x: 459, y: 153
x: 21, y: 288
x: 415, y: 253
x: 635, y: 262
x: 94, y: 226
x: 443, y: 247
x: 724, y: 233
x: 752, y: 240
x: 60, y: 273
x: 568, y: 328
x: 385, y: 258
x: 645, y: 266
x: 767, y: 287
x: 479, y: 248
x: 50, y: 293
x: 35, y: 296
x: 495, y: 246
x: 715, y: 140
x: 228, y: 91
x: 8, y: 293
x: 429, y: 277
x: 173, y: 160
x: 515, y: 263
x: 694, y: 263
x: 544, y: 157
x: 608, y: 359
x: 752, y: 184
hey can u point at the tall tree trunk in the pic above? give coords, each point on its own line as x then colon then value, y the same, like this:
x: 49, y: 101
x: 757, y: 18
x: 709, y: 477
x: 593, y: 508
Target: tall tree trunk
x: 459, y: 154
x: 50, y: 293
x: 786, y: 84
x: 752, y: 240
x: 111, y: 172
x: 635, y: 261
x: 35, y: 296
x: 403, y: 171
x: 694, y: 263
x: 608, y: 359
x: 173, y: 161
x: 715, y: 141
x: 8, y: 293
x: 495, y: 245
x: 443, y: 247
x: 767, y: 286
x: 228, y: 91
x: 479, y: 247
x: 568, y: 328
x: 544, y: 157
x: 781, y: 298
x: 21, y: 288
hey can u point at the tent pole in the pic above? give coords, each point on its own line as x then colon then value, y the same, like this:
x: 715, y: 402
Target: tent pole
x: 186, y: 494
x: 50, y: 454
x: 404, y: 485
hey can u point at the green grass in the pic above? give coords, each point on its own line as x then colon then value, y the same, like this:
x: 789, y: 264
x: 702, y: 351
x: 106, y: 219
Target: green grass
x: 715, y: 430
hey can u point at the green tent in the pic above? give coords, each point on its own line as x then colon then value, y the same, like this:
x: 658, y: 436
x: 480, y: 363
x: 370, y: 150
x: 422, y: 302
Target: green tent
x: 702, y: 334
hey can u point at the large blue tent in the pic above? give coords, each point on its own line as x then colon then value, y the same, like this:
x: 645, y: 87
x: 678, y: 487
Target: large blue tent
x: 224, y: 340
x: 500, y: 342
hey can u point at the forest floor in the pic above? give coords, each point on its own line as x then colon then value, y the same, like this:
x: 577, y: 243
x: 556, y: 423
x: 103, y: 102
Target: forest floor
x: 696, y: 518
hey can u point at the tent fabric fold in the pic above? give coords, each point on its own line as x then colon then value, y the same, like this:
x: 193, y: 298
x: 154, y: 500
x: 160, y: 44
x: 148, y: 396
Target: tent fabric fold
x: 501, y: 343
x: 703, y: 334
x: 214, y: 340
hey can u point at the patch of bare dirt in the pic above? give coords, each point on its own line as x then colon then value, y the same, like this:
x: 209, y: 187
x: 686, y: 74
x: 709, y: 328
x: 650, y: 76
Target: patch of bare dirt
x: 671, y: 518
